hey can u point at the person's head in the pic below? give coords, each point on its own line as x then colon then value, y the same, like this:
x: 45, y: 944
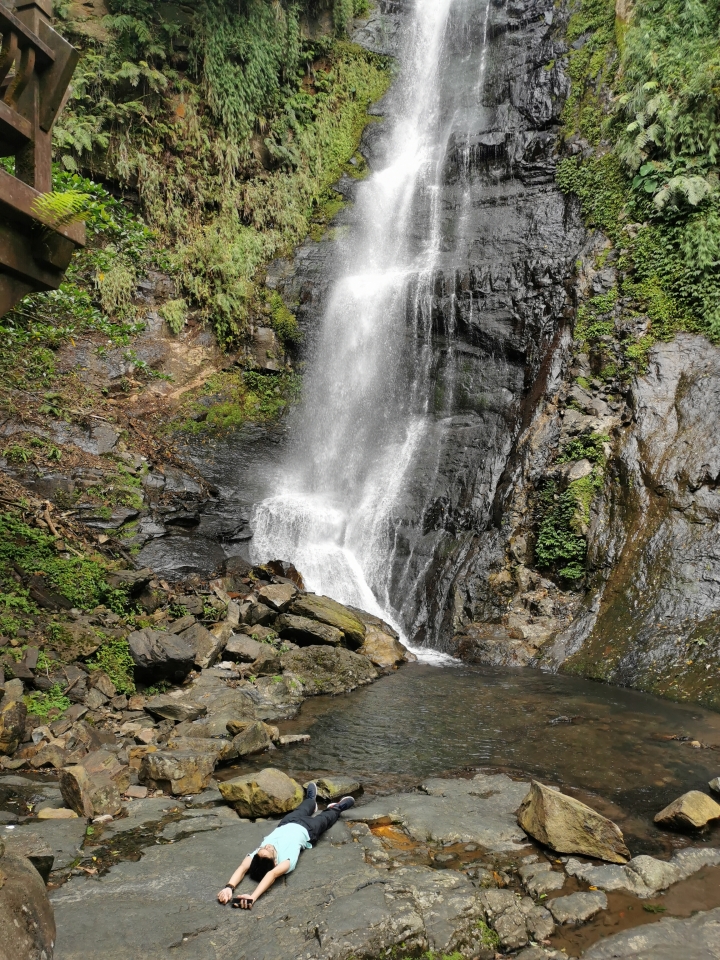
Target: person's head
x: 262, y: 863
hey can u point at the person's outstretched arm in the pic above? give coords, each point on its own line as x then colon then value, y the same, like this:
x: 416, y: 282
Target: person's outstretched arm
x: 267, y: 881
x: 227, y: 892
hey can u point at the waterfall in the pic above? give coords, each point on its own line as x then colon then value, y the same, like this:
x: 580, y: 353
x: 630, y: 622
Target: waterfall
x: 371, y: 404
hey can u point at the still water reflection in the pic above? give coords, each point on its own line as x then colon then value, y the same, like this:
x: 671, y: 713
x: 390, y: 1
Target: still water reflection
x: 610, y: 746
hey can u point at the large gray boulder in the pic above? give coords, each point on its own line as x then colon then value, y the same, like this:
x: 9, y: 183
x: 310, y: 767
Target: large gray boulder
x: 278, y: 596
x: 27, y: 922
x: 384, y: 650
x: 243, y: 649
x: 90, y: 794
x: 268, y: 793
x: 306, y: 632
x: 693, y: 810
x: 222, y: 703
x: 323, y: 669
x: 178, y: 771
x: 696, y: 938
x: 569, y: 826
x: 32, y: 846
x: 253, y: 738
x: 332, y: 613
x: 12, y: 725
x: 174, y: 708
x: 161, y: 656
x: 206, y: 644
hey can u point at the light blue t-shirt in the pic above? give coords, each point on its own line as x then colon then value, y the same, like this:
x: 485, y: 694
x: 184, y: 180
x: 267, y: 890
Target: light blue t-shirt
x: 288, y: 841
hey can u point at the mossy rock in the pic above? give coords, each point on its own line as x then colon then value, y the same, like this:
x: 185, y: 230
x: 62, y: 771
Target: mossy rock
x: 334, y: 614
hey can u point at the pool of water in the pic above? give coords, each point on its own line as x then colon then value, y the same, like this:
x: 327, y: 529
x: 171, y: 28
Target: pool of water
x: 608, y: 746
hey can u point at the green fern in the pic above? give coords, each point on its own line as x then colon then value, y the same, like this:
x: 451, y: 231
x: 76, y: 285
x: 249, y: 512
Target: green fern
x: 174, y: 313
x: 62, y: 209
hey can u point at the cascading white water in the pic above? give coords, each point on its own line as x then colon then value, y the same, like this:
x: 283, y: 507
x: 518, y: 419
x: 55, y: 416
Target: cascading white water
x: 367, y: 409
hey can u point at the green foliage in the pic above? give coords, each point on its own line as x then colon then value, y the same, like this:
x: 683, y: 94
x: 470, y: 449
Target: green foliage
x: 671, y: 62
x: 62, y: 209
x: 174, y: 313
x: 561, y: 545
x: 601, y: 186
x: 29, y: 451
x: 81, y: 580
x: 488, y: 937
x: 244, y: 56
x: 230, y: 146
x: 661, y: 168
x: 248, y: 397
x: 42, y: 704
x: 594, y: 317
x: 589, y: 64
x: 283, y: 322
x: 114, y: 659
x: 43, y: 322
x: 588, y: 447
x: 14, y: 603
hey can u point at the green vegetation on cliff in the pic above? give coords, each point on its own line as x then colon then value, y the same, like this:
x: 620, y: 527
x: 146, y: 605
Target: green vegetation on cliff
x: 645, y: 99
x: 227, y: 127
x: 200, y: 142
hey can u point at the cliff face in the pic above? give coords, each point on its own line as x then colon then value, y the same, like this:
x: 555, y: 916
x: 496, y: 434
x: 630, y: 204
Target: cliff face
x: 651, y: 616
x: 523, y: 413
x: 501, y: 292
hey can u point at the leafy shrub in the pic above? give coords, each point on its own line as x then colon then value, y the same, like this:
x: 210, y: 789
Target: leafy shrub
x: 41, y: 704
x: 588, y: 447
x: 79, y: 579
x: 658, y: 146
x: 560, y: 545
x: 114, y: 659
x: 283, y: 321
x: 174, y: 313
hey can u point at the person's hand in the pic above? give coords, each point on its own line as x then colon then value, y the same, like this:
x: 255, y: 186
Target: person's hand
x: 244, y: 901
x: 225, y: 895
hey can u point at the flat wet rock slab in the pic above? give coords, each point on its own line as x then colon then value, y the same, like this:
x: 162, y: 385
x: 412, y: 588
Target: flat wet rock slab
x: 333, y: 906
x: 482, y: 810
x: 697, y: 938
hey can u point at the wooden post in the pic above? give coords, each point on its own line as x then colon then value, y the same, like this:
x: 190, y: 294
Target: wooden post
x: 33, y: 162
x: 36, y: 66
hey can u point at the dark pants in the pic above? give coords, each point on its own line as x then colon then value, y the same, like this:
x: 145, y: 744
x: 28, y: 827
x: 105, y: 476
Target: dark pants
x: 315, y: 826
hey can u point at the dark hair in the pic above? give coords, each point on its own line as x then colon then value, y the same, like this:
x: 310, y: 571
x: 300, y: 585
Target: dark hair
x: 259, y: 866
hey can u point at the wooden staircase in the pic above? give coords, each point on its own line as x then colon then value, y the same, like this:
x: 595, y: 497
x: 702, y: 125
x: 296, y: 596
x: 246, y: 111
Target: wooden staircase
x: 36, y: 66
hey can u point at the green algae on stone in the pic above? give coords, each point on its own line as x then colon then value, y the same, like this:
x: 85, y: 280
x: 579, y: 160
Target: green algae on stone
x: 332, y: 613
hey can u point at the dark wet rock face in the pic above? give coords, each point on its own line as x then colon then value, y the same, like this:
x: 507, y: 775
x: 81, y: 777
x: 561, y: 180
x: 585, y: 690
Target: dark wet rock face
x: 653, y: 544
x: 509, y: 245
x: 496, y: 300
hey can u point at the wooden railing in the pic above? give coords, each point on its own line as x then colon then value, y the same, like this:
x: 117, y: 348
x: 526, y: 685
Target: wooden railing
x: 36, y: 66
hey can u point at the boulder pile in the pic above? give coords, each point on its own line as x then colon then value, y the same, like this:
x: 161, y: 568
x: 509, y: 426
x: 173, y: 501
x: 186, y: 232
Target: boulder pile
x: 198, y: 679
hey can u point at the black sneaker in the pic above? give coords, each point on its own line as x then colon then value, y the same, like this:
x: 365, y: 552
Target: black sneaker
x: 311, y: 792
x: 343, y: 804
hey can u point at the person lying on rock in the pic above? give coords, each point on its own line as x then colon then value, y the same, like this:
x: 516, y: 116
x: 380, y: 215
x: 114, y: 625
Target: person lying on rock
x: 278, y: 854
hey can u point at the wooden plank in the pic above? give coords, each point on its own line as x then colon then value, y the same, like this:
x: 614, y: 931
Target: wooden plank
x: 12, y: 290
x: 20, y: 128
x: 55, y: 81
x: 16, y: 202
x: 16, y: 257
x: 8, y: 21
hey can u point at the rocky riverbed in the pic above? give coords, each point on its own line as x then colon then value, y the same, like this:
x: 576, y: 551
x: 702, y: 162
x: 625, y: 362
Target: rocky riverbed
x: 445, y: 868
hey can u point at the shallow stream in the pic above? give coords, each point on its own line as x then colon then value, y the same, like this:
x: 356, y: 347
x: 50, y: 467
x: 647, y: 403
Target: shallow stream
x: 611, y: 747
